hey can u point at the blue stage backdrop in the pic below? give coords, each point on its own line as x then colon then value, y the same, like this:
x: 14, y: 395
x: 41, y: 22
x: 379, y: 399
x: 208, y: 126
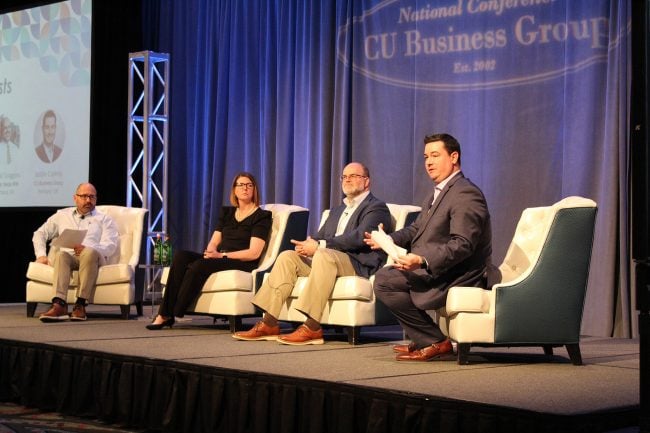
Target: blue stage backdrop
x: 536, y: 91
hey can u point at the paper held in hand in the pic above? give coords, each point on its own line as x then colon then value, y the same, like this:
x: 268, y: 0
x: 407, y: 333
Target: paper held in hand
x: 69, y: 238
x: 386, y: 243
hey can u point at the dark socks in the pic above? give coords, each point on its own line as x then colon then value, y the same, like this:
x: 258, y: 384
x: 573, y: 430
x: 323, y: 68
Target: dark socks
x: 59, y: 301
x: 312, y: 324
x: 269, y: 320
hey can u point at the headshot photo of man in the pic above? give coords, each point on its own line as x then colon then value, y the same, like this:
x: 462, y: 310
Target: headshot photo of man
x: 9, y: 140
x: 48, y: 151
x: 5, y: 141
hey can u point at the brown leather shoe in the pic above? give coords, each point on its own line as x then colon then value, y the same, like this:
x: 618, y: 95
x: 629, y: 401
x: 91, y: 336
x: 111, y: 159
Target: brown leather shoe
x: 428, y: 353
x: 404, y: 348
x: 261, y: 331
x: 56, y: 313
x: 78, y: 313
x: 302, y: 336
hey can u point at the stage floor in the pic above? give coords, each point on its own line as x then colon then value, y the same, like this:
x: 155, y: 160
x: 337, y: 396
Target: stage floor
x: 518, y: 378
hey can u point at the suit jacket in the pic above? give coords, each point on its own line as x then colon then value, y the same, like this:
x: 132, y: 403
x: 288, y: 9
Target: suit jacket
x: 367, y: 216
x: 40, y: 151
x: 455, y: 237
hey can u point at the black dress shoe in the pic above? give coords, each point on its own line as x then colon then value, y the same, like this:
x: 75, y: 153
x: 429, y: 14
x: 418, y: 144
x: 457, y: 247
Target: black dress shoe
x: 158, y: 326
x: 428, y: 353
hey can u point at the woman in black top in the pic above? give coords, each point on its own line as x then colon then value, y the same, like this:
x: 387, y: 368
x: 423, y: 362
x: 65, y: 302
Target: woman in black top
x: 237, y: 243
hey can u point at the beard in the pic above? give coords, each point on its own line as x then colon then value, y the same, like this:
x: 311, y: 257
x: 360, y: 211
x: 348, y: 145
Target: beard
x: 352, y: 191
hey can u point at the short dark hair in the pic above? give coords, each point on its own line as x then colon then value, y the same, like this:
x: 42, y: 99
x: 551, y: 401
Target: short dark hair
x: 256, y: 193
x: 49, y: 113
x: 451, y: 144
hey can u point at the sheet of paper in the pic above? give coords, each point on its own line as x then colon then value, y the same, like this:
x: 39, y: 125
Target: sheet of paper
x: 386, y: 243
x: 69, y: 238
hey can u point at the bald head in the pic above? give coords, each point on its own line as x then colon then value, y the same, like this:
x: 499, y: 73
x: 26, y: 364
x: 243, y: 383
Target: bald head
x: 85, y: 198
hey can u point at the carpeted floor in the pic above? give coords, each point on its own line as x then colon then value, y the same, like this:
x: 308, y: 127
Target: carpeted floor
x: 20, y: 419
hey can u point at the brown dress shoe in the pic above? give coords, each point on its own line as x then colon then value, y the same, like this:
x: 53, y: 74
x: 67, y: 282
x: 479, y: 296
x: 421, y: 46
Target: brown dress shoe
x: 302, y: 336
x: 404, y: 348
x: 55, y: 314
x: 78, y: 312
x: 428, y: 353
x: 261, y: 331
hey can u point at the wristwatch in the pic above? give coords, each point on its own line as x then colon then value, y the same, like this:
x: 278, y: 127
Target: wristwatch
x: 423, y: 262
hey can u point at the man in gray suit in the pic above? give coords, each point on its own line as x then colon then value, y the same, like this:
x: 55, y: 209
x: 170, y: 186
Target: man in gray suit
x: 450, y: 245
x: 338, y: 249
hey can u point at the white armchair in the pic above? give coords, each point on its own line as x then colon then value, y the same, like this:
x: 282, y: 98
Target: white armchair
x: 229, y: 293
x: 116, y: 279
x: 352, y: 303
x: 539, y: 301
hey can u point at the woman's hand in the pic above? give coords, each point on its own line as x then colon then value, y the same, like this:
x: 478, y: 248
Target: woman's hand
x: 212, y: 254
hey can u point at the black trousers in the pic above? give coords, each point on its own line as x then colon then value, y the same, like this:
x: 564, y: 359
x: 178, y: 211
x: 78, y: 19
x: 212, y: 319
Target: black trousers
x: 392, y: 287
x: 188, y: 272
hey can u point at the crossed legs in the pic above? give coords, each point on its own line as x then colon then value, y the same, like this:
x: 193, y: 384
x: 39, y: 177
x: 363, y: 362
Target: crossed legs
x: 322, y: 270
x: 392, y: 287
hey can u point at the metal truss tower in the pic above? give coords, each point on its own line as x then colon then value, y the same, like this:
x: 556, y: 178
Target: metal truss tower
x: 147, y: 140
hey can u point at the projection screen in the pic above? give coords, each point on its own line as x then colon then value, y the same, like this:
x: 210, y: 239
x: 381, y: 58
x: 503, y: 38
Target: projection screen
x: 45, y: 59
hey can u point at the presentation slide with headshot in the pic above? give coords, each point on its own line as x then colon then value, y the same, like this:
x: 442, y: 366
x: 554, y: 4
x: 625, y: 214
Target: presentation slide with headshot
x: 44, y: 103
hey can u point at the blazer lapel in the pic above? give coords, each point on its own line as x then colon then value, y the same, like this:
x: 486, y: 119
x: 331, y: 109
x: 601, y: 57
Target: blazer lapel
x: 352, y: 222
x: 329, y: 229
x: 436, y: 205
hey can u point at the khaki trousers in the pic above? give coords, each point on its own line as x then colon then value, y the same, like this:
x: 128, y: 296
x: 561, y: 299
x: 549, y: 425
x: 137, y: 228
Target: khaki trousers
x: 322, y: 270
x: 87, y: 263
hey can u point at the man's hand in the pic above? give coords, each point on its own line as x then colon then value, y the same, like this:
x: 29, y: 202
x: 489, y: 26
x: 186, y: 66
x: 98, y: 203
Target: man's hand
x: 78, y: 249
x: 409, y: 262
x: 42, y: 259
x: 368, y: 240
x: 306, y: 248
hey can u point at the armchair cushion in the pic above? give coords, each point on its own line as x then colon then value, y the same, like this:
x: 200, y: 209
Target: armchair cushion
x: 468, y: 299
x: 130, y: 223
x: 123, y: 250
x: 108, y: 274
x: 351, y: 287
x: 225, y: 281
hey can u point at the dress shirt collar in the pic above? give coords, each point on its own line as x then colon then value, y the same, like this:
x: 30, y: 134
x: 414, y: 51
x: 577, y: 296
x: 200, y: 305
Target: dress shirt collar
x: 78, y: 214
x: 352, y: 203
x: 49, y: 151
x: 442, y: 184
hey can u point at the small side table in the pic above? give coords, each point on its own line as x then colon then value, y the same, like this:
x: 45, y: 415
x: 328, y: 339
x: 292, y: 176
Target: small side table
x: 152, y: 275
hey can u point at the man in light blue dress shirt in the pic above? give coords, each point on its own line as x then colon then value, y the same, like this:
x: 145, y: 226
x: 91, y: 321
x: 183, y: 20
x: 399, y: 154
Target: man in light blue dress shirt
x: 100, y: 242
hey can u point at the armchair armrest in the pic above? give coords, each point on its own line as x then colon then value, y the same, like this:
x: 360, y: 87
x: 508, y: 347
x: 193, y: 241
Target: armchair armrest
x: 468, y: 300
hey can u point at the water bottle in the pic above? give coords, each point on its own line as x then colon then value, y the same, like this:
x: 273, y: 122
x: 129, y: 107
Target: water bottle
x: 166, y: 255
x: 157, y: 250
